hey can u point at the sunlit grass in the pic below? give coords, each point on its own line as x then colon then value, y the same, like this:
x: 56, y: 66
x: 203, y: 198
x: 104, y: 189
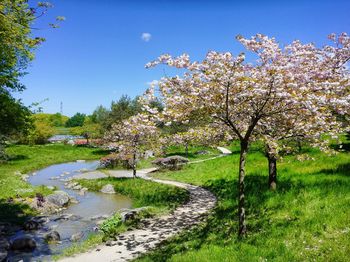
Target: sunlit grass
x: 143, y: 192
x: 306, y: 219
x: 91, y: 241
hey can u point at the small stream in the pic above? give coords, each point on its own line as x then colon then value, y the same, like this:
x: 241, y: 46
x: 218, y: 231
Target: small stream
x: 79, y: 218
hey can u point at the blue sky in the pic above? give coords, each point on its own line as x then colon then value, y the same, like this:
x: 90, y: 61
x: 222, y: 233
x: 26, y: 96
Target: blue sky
x: 98, y: 53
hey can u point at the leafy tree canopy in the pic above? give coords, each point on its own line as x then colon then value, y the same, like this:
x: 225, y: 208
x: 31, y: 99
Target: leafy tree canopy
x: 77, y: 120
x: 17, y: 42
x: 14, y: 116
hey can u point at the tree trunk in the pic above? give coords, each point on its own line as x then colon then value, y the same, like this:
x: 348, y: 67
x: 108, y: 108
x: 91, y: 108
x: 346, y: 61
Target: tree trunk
x: 186, y: 148
x: 134, y: 165
x: 134, y: 171
x: 242, y: 229
x: 299, y: 145
x: 272, y: 171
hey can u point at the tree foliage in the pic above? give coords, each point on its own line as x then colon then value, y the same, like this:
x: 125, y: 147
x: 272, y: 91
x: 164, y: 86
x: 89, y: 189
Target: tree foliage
x: 17, y: 41
x: 77, y: 120
x: 14, y: 119
x: 134, y: 136
x: 14, y: 116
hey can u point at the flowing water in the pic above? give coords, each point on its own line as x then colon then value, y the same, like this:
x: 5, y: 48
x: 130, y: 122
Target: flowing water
x: 80, y: 218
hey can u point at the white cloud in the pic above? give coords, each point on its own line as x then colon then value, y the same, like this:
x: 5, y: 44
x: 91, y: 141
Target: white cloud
x: 146, y: 37
x: 152, y: 83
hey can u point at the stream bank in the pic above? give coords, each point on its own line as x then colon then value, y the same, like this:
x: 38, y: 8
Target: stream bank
x: 72, y: 223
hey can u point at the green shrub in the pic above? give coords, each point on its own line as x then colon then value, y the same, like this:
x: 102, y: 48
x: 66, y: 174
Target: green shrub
x: 112, y: 226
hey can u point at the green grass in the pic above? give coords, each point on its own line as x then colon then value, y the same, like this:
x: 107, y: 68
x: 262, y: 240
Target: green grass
x: 24, y: 159
x: 79, y: 247
x: 192, y: 150
x: 306, y: 219
x: 143, y: 192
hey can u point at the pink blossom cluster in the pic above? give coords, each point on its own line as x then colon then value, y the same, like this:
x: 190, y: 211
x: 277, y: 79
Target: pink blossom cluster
x: 133, y: 136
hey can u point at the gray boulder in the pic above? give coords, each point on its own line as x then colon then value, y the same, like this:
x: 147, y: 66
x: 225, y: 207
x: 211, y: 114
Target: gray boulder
x: 148, y: 154
x: 83, y: 191
x: 41, y: 219
x: 59, y: 198
x: 202, y: 152
x: 4, y: 244
x: 73, y: 200
x: 98, y: 217
x: 76, y: 237
x: 75, y: 218
x: 77, y: 187
x: 130, y: 214
x: 3, y: 255
x: 23, y: 244
x: 62, y: 217
x: 53, y: 236
x: 25, y: 177
x: 171, y: 162
x: 108, y: 189
x: 71, y: 184
x: 31, y: 225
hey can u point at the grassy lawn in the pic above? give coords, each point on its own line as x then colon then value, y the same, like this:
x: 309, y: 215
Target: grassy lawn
x: 143, y: 192
x: 306, y: 219
x: 30, y: 158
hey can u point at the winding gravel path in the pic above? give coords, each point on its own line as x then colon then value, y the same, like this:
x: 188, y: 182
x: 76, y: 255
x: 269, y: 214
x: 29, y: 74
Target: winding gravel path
x: 153, y: 231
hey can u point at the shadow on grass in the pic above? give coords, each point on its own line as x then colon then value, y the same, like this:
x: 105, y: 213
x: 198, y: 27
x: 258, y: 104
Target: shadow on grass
x: 343, y: 169
x: 17, y: 157
x: 183, y: 154
x: 343, y: 147
x: 14, y: 213
x: 221, y: 226
x: 100, y: 152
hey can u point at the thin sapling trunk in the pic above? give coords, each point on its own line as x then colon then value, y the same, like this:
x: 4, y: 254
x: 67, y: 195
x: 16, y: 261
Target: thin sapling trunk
x: 272, y: 161
x: 134, y: 165
x: 242, y: 228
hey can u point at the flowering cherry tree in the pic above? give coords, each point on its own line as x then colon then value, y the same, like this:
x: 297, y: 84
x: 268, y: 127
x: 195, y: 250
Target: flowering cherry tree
x: 245, y: 97
x: 133, y: 137
x: 278, y: 132
x: 326, y: 72
x: 201, y: 135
